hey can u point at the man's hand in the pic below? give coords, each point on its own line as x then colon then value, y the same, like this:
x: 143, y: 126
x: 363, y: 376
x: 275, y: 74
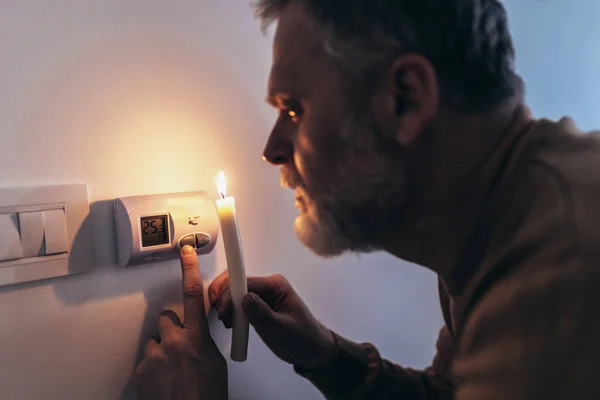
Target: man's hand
x: 280, y: 317
x: 184, y: 363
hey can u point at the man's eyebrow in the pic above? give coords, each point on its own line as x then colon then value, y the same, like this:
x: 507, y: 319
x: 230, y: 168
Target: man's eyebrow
x: 271, y: 100
x: 278, y: 99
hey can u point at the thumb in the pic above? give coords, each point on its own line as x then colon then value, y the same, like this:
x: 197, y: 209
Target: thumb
x: 258, y: 312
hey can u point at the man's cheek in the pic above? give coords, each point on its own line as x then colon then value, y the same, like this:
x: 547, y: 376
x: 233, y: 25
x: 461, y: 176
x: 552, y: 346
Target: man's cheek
x: 314, y: 161
x: 300, y: 164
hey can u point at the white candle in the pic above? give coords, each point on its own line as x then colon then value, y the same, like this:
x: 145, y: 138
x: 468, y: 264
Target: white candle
x: 237, y: 271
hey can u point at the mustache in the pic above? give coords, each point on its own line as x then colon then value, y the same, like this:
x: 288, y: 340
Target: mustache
x: 290, y: 178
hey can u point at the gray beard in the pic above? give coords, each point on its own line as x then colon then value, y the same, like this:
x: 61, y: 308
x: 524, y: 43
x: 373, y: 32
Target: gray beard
x: 365, y: 202
x: 316, y: 228
x: 319, y: 233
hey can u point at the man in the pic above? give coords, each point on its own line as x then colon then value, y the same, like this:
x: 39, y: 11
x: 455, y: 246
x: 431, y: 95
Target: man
x: 402, y: 128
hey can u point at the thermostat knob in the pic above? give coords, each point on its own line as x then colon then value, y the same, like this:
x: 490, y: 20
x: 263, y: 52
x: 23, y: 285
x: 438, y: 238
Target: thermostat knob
x: 188, y: 240
x: 202, y: 239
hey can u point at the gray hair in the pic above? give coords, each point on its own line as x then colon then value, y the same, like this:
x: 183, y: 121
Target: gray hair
x: 467, y: 42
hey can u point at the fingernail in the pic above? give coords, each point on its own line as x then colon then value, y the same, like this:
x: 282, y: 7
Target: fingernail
x: 251, y: 302
x: 254, y: 298
x: 187, y: 249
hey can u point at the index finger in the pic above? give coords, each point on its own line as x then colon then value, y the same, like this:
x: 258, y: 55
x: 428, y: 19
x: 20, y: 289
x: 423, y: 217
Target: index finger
x: 193, y: 291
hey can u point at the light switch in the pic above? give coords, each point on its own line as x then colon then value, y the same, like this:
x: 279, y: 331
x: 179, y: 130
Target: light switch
x: 31, y: 225
x: 63, y: 209
x: 10, y: 241
x: 55, y: 231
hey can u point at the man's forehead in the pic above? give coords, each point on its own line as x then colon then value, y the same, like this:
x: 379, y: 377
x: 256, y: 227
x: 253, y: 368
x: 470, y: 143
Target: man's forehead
x: 284, y: 81
x: 296, y: 23
x: 297, y: 51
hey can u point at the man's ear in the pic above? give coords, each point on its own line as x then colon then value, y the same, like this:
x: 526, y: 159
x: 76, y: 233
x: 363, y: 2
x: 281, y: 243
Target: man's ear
x: 408, y: 98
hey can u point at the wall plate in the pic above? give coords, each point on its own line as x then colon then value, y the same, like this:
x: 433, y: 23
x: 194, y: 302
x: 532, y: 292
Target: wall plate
x: 77, y: 258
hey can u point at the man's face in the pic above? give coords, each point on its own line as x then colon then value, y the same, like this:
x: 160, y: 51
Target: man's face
x: 349, y: 180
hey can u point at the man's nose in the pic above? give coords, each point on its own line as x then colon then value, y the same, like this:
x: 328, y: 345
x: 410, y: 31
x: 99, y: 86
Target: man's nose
x: 279, y: 149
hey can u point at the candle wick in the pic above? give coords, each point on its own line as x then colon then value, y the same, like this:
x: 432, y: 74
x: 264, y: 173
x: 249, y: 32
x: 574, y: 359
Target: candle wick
x: 222, y: 195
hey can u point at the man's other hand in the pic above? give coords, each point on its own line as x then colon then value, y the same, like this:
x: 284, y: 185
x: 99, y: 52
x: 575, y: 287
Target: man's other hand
x: 184, y: 362
x: 280, y: 317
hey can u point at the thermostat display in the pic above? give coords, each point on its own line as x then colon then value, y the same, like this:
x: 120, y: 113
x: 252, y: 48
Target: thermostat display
x: 155, y: 227
x: 154, y: 230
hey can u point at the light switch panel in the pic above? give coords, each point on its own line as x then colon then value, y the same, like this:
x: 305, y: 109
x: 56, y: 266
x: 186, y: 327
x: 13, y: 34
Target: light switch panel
x: 55, y: 236
x: 10, y: 241
x: 31, y: 225
x: 55, y: 231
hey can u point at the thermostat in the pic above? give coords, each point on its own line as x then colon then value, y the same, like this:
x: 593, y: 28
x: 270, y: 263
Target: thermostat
x: 155, y: 227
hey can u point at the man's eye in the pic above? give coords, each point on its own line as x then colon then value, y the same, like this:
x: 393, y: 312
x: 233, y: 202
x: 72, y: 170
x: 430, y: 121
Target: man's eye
x: 292, y: 114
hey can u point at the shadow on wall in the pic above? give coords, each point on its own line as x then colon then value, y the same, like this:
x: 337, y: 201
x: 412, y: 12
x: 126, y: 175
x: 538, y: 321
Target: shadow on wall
x: 109, y: 281
x: 162, y: 295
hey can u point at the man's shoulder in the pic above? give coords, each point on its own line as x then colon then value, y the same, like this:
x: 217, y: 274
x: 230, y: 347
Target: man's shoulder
x: 533, y: 324
x: 549, y: 212
x: 568, y: 165
x: 556, y: 166
x: 544, y: 224
x: 574, y: 155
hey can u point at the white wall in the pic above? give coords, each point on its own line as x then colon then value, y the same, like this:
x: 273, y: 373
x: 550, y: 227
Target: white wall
x: 144, y: 96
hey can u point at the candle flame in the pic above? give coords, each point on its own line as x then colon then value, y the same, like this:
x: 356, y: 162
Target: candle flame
x: 222, y: 184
